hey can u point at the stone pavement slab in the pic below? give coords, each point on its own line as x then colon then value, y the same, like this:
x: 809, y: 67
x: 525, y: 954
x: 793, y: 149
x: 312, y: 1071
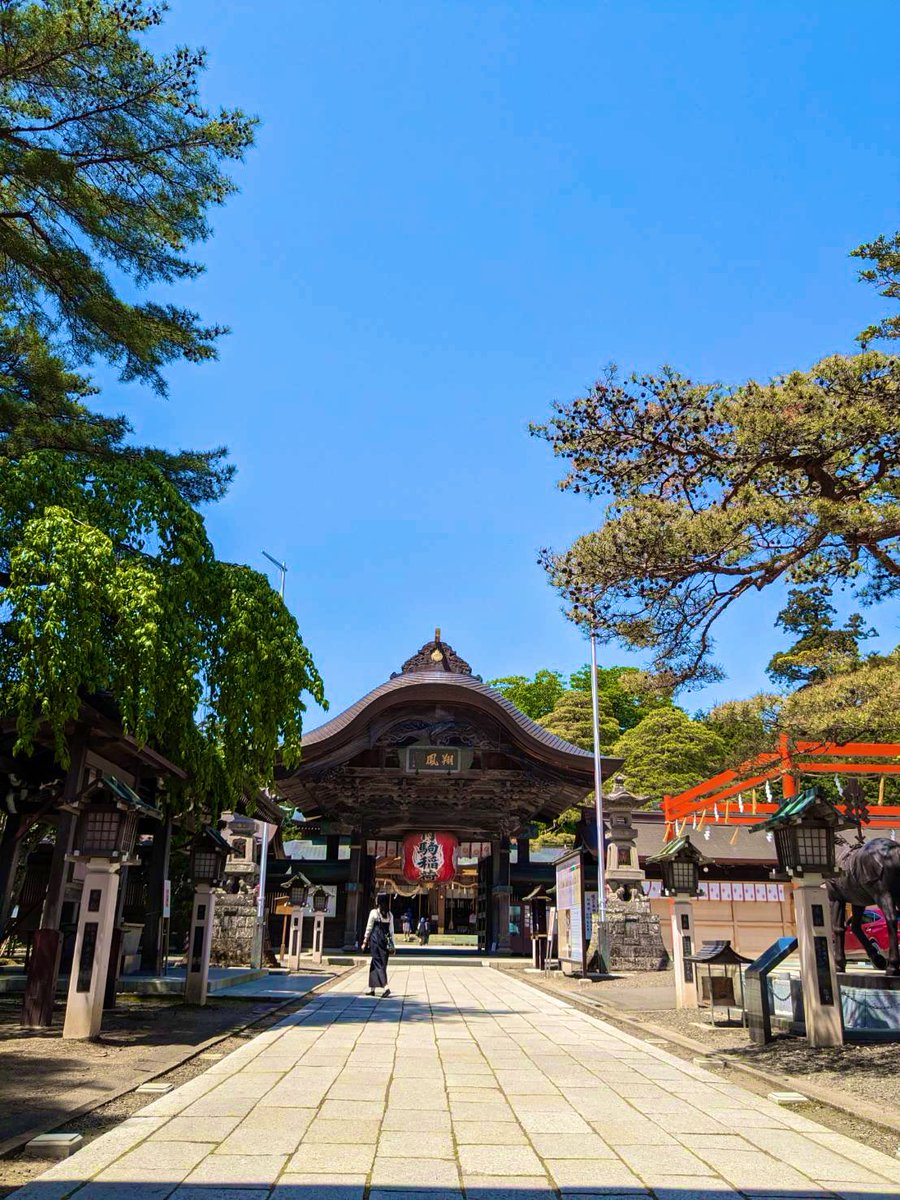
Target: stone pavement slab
x: 465, y: 1083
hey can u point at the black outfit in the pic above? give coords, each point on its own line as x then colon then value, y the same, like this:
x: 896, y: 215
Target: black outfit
x: 378, y: 948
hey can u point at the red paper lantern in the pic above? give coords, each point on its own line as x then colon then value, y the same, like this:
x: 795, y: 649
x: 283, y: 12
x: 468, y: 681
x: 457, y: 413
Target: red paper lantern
x: 429, y: 857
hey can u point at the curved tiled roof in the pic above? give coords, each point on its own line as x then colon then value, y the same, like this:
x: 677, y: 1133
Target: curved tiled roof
x: 459, y: 689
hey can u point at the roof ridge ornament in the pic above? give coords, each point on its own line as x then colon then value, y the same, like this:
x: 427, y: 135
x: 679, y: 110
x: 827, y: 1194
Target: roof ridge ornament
x: 436, y: 655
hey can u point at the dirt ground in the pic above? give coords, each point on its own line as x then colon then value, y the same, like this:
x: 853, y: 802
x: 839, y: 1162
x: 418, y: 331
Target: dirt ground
x: 870, y: 1072
x: 43, y: 1078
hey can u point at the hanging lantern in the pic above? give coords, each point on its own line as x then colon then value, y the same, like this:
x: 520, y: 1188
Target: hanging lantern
x: 804, y: 830
x: 430, y: 857
x: 680, y: 863
x: 108, y: 814
x: 209, y: 852
x: 320, y: 900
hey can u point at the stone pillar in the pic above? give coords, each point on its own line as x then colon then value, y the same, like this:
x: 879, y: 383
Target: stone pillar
x: 683, y: 945
x: 10, y: 852
x: 500, y: 895
x: 199, y: 944
x: 93, y: 943
x: 318, y: 938
x: 115, y: 947
x: 355, y: 897
x: 821, y: 999
x: 153, y: 949
x: 295, y: 940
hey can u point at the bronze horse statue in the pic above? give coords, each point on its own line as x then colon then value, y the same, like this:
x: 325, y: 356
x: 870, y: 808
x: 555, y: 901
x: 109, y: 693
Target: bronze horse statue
x: 870, y: 875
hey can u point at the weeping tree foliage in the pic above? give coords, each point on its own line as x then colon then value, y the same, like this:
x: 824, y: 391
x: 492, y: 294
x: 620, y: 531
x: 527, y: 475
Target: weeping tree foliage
x: 113, y: 587
x: 715, y: 493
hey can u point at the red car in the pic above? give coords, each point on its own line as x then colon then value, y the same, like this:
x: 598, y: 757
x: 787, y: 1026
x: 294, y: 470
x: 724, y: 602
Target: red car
x: 876, y: 931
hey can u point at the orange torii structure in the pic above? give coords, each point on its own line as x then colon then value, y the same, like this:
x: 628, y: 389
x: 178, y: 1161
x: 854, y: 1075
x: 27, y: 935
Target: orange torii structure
x: 724, y: 798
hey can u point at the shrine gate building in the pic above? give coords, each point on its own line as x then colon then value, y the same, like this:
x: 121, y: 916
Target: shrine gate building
x: 433, y: 751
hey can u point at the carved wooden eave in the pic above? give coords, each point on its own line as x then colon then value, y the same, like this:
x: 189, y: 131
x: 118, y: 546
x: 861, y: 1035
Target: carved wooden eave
x: 351, y: 771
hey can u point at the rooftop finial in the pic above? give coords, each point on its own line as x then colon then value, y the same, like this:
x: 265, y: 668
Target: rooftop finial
x: 437, y: 633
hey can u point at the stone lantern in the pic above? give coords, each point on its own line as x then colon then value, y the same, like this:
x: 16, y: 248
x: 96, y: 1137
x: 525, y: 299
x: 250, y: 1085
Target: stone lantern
x: 108, y: 812
x: 804, y: 826
x: 623, y: 869
x: 299, y: 893
x: 209, y: 854
x: 680, y: 862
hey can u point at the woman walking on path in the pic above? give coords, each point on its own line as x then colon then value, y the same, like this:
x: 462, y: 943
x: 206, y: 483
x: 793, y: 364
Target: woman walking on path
x: 379, y: 938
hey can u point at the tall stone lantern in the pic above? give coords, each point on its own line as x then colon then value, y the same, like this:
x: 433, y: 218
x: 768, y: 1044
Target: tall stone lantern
x: 623, y: 869
x: 680, y: 862
x: 633, y: 933
x: 107, y: 817
x: 209, y: 855
x: 804, y: 827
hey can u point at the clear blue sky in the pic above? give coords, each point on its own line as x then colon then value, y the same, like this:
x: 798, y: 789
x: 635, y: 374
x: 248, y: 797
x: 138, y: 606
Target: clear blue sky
x: 458, y: 212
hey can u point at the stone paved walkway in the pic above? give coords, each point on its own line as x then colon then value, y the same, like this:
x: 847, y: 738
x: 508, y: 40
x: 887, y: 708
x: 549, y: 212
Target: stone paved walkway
x: 464, y: 1079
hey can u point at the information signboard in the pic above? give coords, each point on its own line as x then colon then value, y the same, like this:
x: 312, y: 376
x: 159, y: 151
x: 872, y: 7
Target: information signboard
x: 570, y: 911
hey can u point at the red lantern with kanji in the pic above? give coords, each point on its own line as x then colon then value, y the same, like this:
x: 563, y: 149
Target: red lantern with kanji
x: 429, y: 857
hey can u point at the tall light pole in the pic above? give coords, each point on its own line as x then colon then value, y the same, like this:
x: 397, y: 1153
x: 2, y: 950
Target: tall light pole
x: 598, y: 806
x: 282, y: 567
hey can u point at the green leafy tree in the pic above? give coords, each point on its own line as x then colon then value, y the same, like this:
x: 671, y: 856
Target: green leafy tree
x: 111, y: 586
x: 534, y: 697
x: 44, y: 406
x: 717, y: 493
x: 859, y: 703
x: 625, y: 691
x: 668, y: 752
x: 820, y: 649
x: 110, y: 165
x: 746, y: 727
x: 883, y: 255
x: 572, y: 720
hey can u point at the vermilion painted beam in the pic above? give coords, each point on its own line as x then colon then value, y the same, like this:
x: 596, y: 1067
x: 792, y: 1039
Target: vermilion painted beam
x: 680, y: 808
x: 874, y: 749
x: 849, y: 768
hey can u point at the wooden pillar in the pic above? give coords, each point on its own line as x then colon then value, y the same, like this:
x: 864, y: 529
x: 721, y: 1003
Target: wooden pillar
x: 43, y: 971
x: 152, y: 948
x: 441, y: 908
x: 355, y: 888
x: 523, y: 851
x: 500, y: 895
x: 10, y: 851
x: 332, y: 847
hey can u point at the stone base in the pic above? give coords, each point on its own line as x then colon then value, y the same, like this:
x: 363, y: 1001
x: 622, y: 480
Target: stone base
x: 633, y: 937
x: 234, y: 929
